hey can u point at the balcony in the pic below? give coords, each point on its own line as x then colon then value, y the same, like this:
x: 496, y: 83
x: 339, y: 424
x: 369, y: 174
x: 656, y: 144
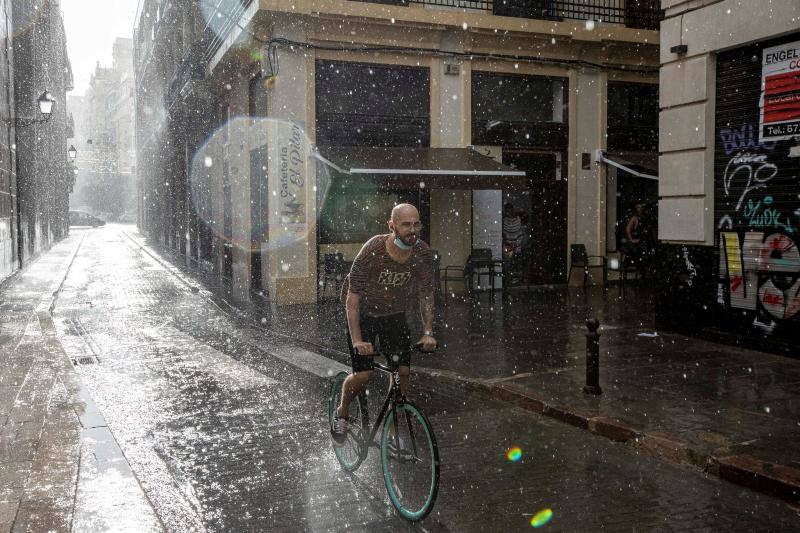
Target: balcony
x: 643, y: 14
x: 189, y: 80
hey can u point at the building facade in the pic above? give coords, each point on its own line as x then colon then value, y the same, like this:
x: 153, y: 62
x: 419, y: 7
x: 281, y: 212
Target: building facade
x: 36, y: 178
x: 729, y: 169
x: 8, y: 164
x: 552, y: 89
x: 105, y: 139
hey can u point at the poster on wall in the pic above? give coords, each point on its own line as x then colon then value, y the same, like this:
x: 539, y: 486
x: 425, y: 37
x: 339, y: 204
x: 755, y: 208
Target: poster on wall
x: 780, y: 93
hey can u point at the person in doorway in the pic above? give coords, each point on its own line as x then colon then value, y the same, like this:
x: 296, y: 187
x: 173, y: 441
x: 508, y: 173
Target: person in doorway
x: 512, y: 231
x: 389, y: 271
x: 640, y: 239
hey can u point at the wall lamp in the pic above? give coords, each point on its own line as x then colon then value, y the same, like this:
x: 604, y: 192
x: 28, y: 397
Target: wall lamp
x: 46, y: 103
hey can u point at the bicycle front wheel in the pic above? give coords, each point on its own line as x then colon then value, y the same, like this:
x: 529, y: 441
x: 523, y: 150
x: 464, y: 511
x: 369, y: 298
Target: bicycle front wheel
x: 351, y: 453
x: 410, y: 461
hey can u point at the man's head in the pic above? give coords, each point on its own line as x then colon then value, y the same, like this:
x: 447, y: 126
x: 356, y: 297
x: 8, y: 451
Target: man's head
x: 508, y: 210
x: 405, y: 223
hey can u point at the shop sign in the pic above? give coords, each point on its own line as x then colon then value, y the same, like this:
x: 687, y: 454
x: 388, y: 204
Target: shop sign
x: 780, y: 93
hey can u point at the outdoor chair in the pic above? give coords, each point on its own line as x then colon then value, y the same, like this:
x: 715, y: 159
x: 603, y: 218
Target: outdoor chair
x: 334, y: 271
x: 448, y: 274
x: 481, y: 263
x: 580, y: 259
x: 626, y: 267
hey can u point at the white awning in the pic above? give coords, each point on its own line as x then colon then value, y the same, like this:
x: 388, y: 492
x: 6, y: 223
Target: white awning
x: 442, y: 168
x: 623, y: 164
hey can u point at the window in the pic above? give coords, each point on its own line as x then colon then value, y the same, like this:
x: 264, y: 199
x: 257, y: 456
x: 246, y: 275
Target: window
x: 353, y: 215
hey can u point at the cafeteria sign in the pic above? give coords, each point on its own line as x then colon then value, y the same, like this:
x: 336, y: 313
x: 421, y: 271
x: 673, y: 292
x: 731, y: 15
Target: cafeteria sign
x: 780, y: 93
x: 290, y: 216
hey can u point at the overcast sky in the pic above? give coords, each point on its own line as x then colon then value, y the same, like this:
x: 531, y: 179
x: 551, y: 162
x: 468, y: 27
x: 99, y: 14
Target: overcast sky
x: 92, y: 26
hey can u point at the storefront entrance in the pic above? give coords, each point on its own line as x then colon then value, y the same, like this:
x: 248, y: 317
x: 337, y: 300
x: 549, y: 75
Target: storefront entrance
x: 543, y: 210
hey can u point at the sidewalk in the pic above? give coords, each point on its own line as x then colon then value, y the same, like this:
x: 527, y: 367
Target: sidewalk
x: 60, y: 467
x: 39, y: 426
x: 730, y: 412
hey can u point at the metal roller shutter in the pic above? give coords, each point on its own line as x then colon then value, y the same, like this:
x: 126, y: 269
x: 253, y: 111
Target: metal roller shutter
x: 756, y: 207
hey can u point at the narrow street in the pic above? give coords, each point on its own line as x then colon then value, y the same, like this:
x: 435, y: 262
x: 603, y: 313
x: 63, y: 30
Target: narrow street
x: 223, y: 427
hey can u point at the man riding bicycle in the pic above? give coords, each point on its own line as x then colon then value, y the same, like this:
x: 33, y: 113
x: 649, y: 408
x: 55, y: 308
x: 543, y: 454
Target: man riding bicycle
x: 390, y: 270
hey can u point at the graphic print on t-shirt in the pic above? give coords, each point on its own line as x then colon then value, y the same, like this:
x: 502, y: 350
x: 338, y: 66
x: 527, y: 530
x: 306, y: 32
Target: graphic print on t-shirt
x: 393, y: 279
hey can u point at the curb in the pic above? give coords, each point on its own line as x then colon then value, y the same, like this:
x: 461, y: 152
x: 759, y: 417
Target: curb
x: 762, y: 476
x: 744, y: 470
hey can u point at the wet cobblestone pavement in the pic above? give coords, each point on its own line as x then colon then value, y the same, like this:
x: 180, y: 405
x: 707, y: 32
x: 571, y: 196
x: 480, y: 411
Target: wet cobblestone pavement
x: 719, y: 399
x: 223, y: 434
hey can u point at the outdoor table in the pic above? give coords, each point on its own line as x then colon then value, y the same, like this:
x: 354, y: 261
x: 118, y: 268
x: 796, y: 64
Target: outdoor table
x: 492, y: 266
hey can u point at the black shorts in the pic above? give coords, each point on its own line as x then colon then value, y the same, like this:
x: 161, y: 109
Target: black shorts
x: 389, y: 335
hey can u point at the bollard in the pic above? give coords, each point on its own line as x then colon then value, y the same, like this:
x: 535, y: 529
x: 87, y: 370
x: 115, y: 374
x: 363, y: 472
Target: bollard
x: 592, y: 358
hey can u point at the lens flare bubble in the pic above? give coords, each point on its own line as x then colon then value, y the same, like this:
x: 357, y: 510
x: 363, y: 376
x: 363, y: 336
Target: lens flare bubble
x: 541, y: 518
x: 514, y: 454
x: 257, y: 185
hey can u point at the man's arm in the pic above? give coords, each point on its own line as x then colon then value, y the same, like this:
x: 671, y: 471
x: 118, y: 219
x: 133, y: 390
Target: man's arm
x: 353, y: 307
x: 426, y: 307
x: 629, y: 230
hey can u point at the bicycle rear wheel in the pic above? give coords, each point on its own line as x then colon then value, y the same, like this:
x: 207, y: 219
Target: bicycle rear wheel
x: 350, y: 454
x: 411, y: 468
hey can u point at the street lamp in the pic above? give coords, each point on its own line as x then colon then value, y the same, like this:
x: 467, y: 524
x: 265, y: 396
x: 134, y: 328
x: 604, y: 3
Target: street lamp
x: 72, y: 152
x: 46, y: 103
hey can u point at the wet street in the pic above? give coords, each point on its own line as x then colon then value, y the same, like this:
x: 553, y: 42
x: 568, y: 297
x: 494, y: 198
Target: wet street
x: 200, y: 421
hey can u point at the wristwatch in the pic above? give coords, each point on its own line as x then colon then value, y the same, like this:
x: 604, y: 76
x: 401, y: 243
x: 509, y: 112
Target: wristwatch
x: 427, y: 333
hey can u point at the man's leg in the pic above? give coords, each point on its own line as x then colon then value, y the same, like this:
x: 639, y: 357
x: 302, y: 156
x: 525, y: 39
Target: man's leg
x: 362, y: 369
x: 351, y: 388
x: 404, y: 372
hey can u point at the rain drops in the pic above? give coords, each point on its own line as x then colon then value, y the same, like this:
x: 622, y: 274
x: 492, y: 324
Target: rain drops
x: 207, y: 162
x: 285, y: 267
x: 589, y: 25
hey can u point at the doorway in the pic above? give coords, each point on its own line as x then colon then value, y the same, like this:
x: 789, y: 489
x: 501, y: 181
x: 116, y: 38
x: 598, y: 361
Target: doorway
x: 544, y: 204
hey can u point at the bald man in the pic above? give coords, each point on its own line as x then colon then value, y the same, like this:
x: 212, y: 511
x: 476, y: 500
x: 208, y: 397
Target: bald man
x: 389, y: 270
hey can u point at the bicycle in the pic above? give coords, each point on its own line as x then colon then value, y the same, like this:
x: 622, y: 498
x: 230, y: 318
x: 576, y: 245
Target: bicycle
x: 409, y: 457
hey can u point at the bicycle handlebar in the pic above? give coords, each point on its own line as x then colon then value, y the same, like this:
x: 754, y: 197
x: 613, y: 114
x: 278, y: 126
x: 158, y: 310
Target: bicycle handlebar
x: 417, y: 348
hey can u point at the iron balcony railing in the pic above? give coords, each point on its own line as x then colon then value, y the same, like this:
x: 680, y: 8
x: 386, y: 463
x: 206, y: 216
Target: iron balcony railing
x: 644, y: 14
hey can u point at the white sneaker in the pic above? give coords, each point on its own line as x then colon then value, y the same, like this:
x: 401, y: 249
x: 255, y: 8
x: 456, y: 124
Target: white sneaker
x: 339, y: 429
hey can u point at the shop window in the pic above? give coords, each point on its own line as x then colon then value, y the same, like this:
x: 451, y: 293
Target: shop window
x: 519, y: 110
x: 632, y: 117
x: 362, y: 104
x: 353, y: 215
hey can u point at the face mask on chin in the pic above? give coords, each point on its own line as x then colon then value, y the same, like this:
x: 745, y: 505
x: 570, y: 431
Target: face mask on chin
x: 403, y: 246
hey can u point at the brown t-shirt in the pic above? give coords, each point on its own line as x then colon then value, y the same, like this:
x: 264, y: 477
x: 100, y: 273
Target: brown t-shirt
x: 385, y: 286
